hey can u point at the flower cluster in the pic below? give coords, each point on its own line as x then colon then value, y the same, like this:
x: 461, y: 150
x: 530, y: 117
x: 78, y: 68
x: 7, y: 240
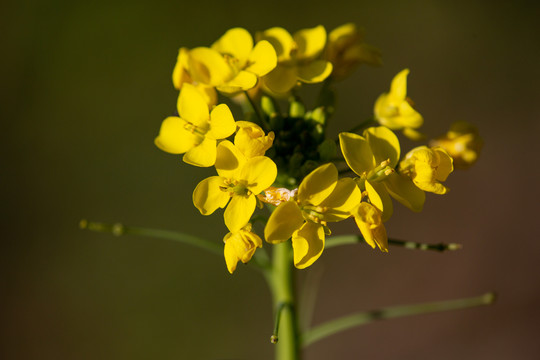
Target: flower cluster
x: 283, y: 158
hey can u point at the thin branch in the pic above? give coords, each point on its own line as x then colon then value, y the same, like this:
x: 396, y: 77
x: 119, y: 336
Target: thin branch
x: 362, y: 318
x: 118, y: 229
x: 257, y: 113
x: 356, y: 239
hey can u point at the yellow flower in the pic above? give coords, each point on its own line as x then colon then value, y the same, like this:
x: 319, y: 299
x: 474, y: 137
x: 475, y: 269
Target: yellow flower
x: 346, y: 50
x: 181, y: 75
x: 369, y: 221
x: 427, y: 168
x: 248, y: 62
x: 321, y: 198
x: 251, y: 140
x: 395, y: 110
x: 195, y: 131
x: 297, y: 58
x: 240, y: 246
x: 239, y: 180
x: 373, y: 158
x: 462, y: 142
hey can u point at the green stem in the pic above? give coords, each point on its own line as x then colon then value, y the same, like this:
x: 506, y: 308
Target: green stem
x: 362, y: 318
x: 119, y: 229
x: 282, y: 286
x: 356, y: 239
x: 257, y: 113
x: 260, y: 259
x: 363, y: 125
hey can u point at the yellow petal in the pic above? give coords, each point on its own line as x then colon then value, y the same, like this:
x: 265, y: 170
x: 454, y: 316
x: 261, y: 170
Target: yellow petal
x: 281, y: 80
x: 239, y: 211
x: 409, y: 117
x: 221, y: 122
x: 342, y: 200
x: 398, y: 88
x: 180, y: 74
x: 315, y: 71
x: 310, y: 42
x: 445, y: 166
x: 251, y: 140
x: 202, y: 155
x: 174, y: 138
x: 318, y: 184
x: 208, y: 196
x: 259, y: 172
x: 209, y: 67
x: 379, y: 197
x: 280, y: 39
x: 283, y: 222
x: 236, y: 42
x: 403, y: 190
x: 192, y: 107
x: 357, y: 152
x: 308, y: 244
x: 384, y: 144
x: 208, y: 92
x: 229, y: 160
x: 229, y: 251
x: 262, y: 59
x: 368, y: 219
x: 242, y: 81
x: 413, y: 134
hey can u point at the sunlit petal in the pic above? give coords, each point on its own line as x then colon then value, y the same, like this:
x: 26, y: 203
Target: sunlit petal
x: 208, y: 196
x: 308, y: 244
x: 222, y: 123
x: 263, y: 59
x: 229, y: 160
x: 310, y: 42
x: 318, y: 185
x: 259, y: 172
x: 192, y: 106
x: 356, y: 152
x: 174, y: 138
x: 286, y: 219
x: 239, y: 211
x: 202, y: 155
x: 405, y: 191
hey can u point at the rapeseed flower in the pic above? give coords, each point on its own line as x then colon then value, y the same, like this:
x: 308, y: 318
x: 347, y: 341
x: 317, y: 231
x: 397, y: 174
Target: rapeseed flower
x: 428, y: 167
x: 239, y: 180
x: 373, y: 157
x: 240, y: 246
x: 462, y: 142
x: 369, y: 220
x: 321, y: 198
x: 195, y: 130
x: 395, y: 110
x: 247, y: 61
x: 346, y: 50
x: 181, y: 75
x: 297, y: 58
x: 251, y: 140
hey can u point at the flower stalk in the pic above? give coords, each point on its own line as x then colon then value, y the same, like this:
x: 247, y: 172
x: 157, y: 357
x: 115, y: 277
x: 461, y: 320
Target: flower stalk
x: 282, y: 286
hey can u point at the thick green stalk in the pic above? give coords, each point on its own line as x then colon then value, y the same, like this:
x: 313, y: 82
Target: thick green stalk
x: 287, y: 347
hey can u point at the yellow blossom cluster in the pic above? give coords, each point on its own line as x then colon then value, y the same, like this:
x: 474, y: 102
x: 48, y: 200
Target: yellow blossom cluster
x: 284, y: 158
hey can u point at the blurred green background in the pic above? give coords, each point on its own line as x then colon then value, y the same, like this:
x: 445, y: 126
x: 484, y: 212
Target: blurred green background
x: 85, y: 86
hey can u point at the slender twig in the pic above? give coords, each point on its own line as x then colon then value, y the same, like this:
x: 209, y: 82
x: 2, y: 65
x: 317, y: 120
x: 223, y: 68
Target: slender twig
x: 257, y: 113
x: 363, y: 125
x: 355, y: 239
x: 119, y: 229
x: 361, y: 318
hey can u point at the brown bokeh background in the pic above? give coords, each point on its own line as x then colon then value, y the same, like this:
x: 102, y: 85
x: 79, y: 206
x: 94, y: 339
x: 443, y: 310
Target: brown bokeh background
x: 85, y: 86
